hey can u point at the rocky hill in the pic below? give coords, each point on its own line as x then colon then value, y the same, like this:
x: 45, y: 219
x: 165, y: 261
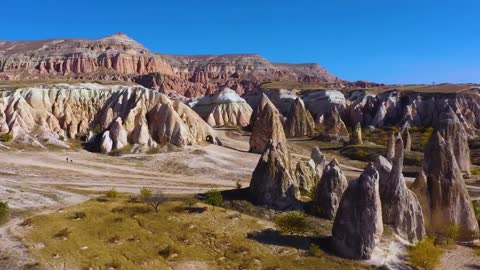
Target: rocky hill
x: 120, y: 58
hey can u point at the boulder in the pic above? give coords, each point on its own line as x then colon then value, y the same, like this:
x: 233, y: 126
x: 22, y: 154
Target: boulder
x: 306, y: 176
x: 299, y: 121
x: 442, y: 191
x: 267, y: 127
x: 329, y: 190
x: 272, y: 183
x: 400, y: 206
x: 358, y: 225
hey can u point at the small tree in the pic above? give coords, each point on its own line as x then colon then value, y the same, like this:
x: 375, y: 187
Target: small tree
x: 292, y: 223
x: 214, y: 198
x: 425, y: 255
x: 145, y: 193
x: 156, y: 199
x: 451, y: 234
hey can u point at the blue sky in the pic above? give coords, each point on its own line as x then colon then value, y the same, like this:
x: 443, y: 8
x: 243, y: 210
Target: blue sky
x: 407, y: 41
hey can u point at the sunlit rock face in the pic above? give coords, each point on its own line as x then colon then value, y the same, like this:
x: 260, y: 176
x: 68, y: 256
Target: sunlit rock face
x: 273, y: 183
x: 299, y: 121
x: 131, y: 115
x: 224, y: 108
x: 358, y: 225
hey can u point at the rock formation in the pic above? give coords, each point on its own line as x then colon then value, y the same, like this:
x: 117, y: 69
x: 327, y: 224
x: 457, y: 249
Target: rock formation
x: 452, y: 130
x: 118, y: 57
x: 442, y: 191
x: 319, y: 159
x: 125, y: 115
x: 400, y: 206
x: 390, y: 146
x: 334, y: 126
x: 267, y: 127
x: 356, y: 137
x: 329, y: 190
x: 224, y: 108
x: 407, y: 139
x: 306, y: 176
x: 358, y: 225
x: 299, y: 121
x: 272, y: 182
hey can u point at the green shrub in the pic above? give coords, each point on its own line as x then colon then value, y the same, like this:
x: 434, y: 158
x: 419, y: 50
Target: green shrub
x: 425, y: 255
x: 475, y: 171
x: 314, y: 250
x: 361, y: 154
x: 292, y: 223
x: 145, y: 193
x: 4, y: 212
x: 61, y: 138
x: 6, y: 137
x: 112, y: 193
x: 79, y: 215
x: 168, y: 252
x: 214, y: 198
x: 451, y: 234
x: 64, y: 233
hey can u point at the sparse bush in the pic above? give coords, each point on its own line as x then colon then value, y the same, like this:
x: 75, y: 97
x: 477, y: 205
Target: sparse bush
x: 168, y: 252
x: 214, y: 198
x: 7, y: 137
x: 292, y: 223
x: 238, y: 184
x: 111, y: 194
x: 361, y: 154
x: 475, y: 171
x: 61, y: 138
x: 114, y: 239
x: 425, y: 255
x: 97, y: 130
x: 4, y: 212
x: 314, y: 250
x: 27, y: 222
x: 155, y: 200
x: 451, y: 234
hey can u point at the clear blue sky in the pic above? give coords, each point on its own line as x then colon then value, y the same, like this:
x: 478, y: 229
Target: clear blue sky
x: 404, y: 41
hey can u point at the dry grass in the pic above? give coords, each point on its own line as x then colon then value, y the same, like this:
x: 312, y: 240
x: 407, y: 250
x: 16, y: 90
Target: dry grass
x: 121, y: 235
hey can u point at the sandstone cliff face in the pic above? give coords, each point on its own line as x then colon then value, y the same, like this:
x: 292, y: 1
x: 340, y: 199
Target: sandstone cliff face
x: 268, y: 126
x: 358, y: 225
x: 272, y: 182
x: 400, y: 206
x: 306, y: 176
x: 334, y: 126
x: 299, y: 121
x: 442, y: 191
x: 125, y: 115
x: 224, y: 108
x: 329, y: 190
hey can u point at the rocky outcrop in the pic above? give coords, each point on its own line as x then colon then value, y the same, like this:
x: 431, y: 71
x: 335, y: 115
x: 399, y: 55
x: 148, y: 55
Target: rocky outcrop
x: 319, y: 159
x: 452, y: 130
x: 272, y: 182
x: 224, y: 108
x: 358, y: 225
x: 356, y: 137
x: 407, y: 138
x: 442, y: 191
x: 125, y: 115
x: 268, y: 126
x: 334, y: 126
x: 390, y: 146
x: 306, y: 176
x: 329, y: 190
x: 400, y: 206
x: 299, y: 121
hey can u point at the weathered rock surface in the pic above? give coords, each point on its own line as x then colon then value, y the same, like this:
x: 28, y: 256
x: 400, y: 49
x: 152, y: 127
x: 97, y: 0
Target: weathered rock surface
x: 131, y: 115
x: 299, y: 121
x: 334, y: 126
x: 268, y: 126
x: 400, y: 205
x: 224, y: 108
x: 407, y: 138
x: 358, y: 225
x: 272, y: 181
x: 356, y: 137
x: 319, y: 159
x: 442, y: 191
x: 390, y: 146
x: 329, y: 190
x: 306, y: 176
